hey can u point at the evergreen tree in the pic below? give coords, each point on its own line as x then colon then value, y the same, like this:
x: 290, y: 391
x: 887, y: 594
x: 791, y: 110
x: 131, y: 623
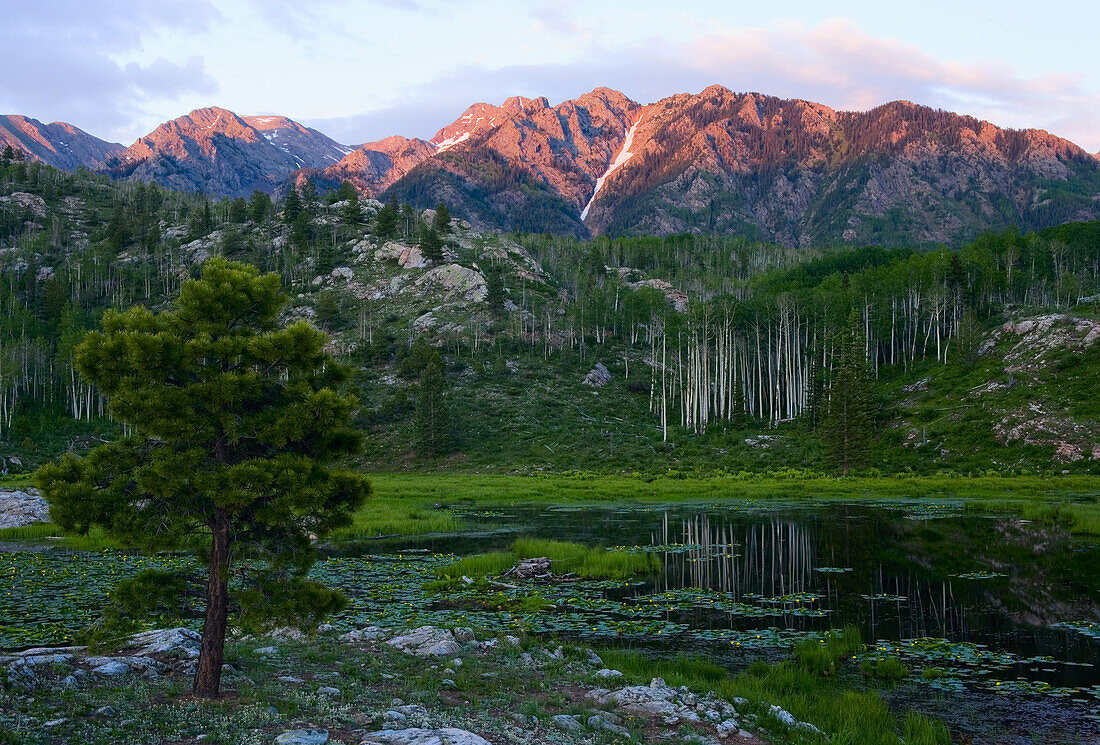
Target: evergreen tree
x: 231, y: 422
x: 259, y: 206
x: 385, y: 222
x: 442, y: 220
x: 846, y: 429
x: 7, y: 156
x: 346, y: 192
x: 292, y: 206
x: 238, y: 210
x: 202, y: 221
x: 408, y: 221
x: 432, y: 420
x: 969, y: 340
x: 494, y: 290
x: 310, y: 201
x: 351, y: 213
x: 431, y: 245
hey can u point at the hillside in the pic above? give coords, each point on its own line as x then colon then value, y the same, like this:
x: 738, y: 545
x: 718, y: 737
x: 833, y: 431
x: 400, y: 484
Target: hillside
x: 686, y: 353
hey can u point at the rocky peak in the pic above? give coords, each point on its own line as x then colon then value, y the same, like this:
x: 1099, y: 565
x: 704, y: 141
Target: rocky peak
x: 57, y: 144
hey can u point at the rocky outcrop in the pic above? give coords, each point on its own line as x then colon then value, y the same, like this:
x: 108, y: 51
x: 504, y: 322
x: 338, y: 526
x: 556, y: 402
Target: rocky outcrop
x: 19, y: 508
x: 454, y: 278
x: 417, y: 736
x: 427, y: 641
x: 598, y: 376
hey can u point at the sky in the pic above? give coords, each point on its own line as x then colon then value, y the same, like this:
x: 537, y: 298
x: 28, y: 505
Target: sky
x: 363, y: 70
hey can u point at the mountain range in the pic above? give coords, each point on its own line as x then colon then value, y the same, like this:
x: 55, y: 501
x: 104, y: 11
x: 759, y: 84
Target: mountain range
x: 784, y: 170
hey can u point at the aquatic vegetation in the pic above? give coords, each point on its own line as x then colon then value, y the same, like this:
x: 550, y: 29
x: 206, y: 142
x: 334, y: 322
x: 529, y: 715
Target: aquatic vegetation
x: 884, y: 668
x: 979, y: 575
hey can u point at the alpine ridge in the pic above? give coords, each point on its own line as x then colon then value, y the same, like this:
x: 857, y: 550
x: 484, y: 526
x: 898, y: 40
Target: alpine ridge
x: 57, y: 144
x: 785, y: 170
x: 216, y: 151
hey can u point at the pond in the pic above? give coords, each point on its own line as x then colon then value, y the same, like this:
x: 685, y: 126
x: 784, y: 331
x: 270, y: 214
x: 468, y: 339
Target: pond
x: 974, y: 605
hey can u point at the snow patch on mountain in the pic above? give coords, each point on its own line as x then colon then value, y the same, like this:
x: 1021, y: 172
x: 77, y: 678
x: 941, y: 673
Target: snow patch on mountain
x: 450, y: 142
x: 624, y: 155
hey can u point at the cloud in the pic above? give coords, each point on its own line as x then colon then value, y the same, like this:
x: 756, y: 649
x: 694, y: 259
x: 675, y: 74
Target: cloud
x: 834, y: 63
x: 63, y: 60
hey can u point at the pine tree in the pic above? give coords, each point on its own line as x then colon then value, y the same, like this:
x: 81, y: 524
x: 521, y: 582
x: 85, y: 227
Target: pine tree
x: 310, y: 201
x: 232, y: 420
x: 494, y: 290
x: 847, y: 427
x: 292, y: 206
x: 432, y: 420
x: 431, y: 245
x: 385, y: 222
x: 259, y: 206
x: 442, y: 220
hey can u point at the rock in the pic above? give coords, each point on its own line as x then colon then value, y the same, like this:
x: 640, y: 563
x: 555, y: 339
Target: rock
x: 286, y: 633
x: 606, y: 674
x: 19, y: 508
x: 566, y: 723
x: 328, y: 691
x: 325, y: 628
x: 728, y: 727
x: 427, y: 641
x: 456, y: 278
x: 70, y: 681
x: 105, y: 711
x: 369, y: 634
x: 464, y: 634
x: 22, y: 675
x: 598, y: 376
x: 448, y: 683
x: 528, y: 568
x: 303, y: 737
x: 266, y: 651
x: 35, y: 204
x: 178, y: 641
x: 593, y: 658
x: 289, y: 679
x: 606, y: 722
x: 510, y: 641
x: 674, y: 297
x: 112, y: 668
x: 783, y: 716
x: 54, y: 723
x: 417, y: 736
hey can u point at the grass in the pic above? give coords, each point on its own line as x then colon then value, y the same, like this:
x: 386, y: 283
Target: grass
x: 848, y: 717
x: 884, y: 668
x: 95, y: 540
x: 567, y: 558
x: 822, y: 655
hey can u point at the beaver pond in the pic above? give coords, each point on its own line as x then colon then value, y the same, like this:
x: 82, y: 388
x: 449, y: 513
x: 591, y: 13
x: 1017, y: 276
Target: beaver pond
x: 996, y: 620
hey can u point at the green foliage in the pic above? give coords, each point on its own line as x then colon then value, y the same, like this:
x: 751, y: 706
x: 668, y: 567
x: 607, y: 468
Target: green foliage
x: 847, y: 426
x: 442, y: 219
x: 149, y: 597
x: 433, y: 421
x: 431, y: 245
x: 884, y: 668
x: 274, y: 599
x: 231, y: 420
x: 823, y: 655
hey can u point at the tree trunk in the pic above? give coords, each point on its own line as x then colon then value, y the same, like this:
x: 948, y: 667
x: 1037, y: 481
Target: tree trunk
x: 209, y: 672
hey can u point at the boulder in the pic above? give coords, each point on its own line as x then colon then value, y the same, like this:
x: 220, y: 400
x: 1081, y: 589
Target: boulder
x: 112, y: 669
x: 417, y: 736
x: 179, y: 641
x: 528, y: 568
x: 303, y: 737
x: 427, y: 641
x: 19, y: 508
x: 566, y: 723
x: 369, y: 634
x: 469, y: 283
x: 598, y: 376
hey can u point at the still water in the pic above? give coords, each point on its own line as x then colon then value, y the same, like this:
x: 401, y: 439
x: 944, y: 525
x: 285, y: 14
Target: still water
x: 998, y: 613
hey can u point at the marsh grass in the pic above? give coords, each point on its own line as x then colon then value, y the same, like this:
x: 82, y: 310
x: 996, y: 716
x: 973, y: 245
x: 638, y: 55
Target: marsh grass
x: 95, y: 540
x: 848, y: 717
x: 822, y: 654
x: 568, y: 558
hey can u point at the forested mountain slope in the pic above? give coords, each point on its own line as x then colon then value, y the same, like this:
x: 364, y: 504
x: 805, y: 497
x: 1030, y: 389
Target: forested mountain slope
x: 685, y: 352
